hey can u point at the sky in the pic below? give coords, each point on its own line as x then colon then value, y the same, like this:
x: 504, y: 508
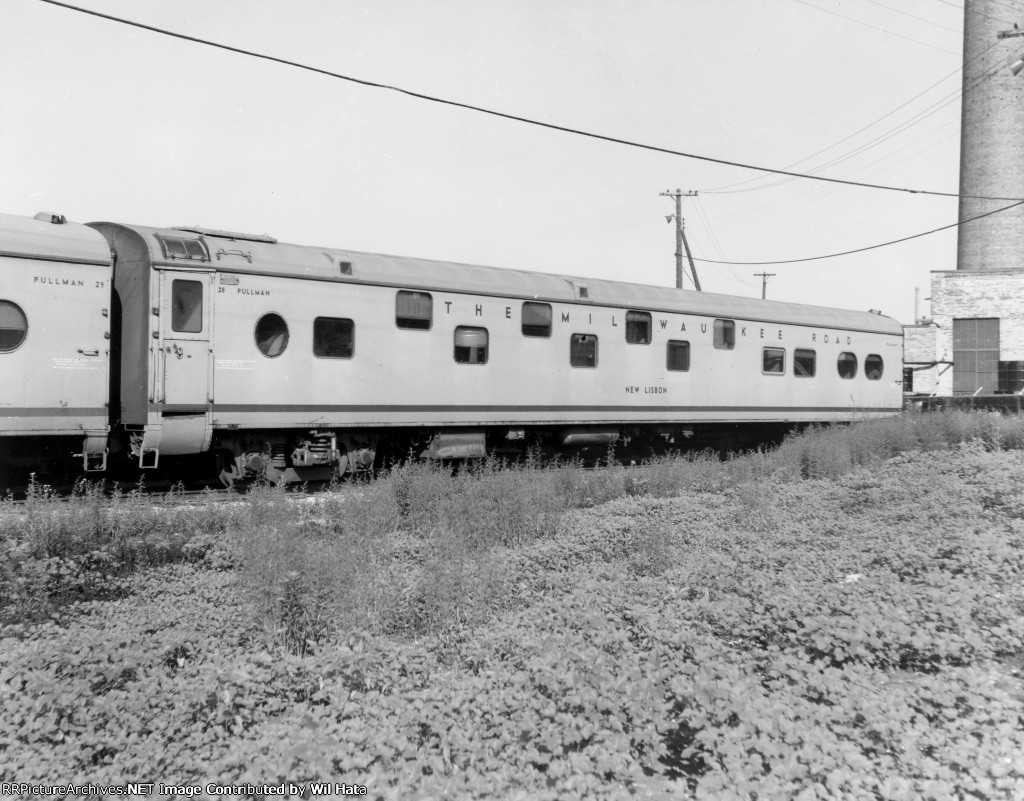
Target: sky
x: 101, y: 121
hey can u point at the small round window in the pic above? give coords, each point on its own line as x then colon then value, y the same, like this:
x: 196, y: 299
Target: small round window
x: 271, y: 335
x: 13, y: 326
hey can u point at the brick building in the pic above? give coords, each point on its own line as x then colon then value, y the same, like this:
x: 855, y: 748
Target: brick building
x: 979, y: 325
x: 977, y: 319
x: 920, y: 372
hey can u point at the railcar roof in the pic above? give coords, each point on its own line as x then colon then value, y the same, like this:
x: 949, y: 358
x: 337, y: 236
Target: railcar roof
x: 262, y: 254
x: 41, y: 238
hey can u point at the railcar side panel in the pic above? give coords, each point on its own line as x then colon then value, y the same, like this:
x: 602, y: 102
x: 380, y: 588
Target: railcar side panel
x: 224, y: 334
x: 403, y: 377
x: 55, y: 283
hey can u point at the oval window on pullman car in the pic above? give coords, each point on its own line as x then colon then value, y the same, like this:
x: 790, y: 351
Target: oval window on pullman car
x: 271, y: 335
x: 13, y: 326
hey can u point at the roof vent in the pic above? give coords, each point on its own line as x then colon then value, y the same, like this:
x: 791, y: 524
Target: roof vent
x: 344, y: 267
x: 579, y: 290
x: 50, y: 217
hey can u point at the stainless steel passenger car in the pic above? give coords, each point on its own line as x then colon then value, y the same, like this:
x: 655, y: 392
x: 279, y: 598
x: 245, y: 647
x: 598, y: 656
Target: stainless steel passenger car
x: 55, y: 296
x: 302, y: 362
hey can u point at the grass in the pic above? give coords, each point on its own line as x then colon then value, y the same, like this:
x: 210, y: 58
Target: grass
x: 837, y: 617
x: 419, y: 548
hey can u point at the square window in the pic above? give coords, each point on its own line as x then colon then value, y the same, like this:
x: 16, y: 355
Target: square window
x: 583, y: 350
x: 333, y: 338
x: 725, y: 334
x: 804, y: 363
x: 186, y: 306
x: 638, y: 328
x: 677, y: 357
x: 773, y: 361
x: 414, y: 310
x: 536, y: 319
x: 470, y: 345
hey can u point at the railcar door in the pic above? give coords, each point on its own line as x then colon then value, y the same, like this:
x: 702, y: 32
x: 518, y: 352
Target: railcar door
x: 184, y: 371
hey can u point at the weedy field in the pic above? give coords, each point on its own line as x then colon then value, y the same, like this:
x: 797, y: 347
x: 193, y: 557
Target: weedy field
x: 842, y: 617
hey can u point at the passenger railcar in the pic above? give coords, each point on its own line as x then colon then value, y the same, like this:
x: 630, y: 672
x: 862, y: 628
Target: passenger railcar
x: 301, y: 362
x: 55, y: 307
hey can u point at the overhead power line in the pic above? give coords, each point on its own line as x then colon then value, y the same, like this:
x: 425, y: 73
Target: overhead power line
x: 869, y: 247
x: 501, y: 114
x: 878, y: 29
x: 988, y: 73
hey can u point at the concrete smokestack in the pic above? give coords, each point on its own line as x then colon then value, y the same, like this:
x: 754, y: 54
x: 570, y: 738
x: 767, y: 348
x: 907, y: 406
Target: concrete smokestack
x: 991, y: 139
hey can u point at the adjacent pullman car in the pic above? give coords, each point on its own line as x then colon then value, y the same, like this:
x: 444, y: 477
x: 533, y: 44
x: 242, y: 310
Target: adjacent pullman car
x: 301, y: 363
x: 55, y: 315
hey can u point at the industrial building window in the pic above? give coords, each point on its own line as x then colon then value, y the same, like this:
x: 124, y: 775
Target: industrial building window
x: 470, y: 345
x: 414, y: 310
x: 638, y: 328
x: 847, y: 365
x: 13, y: 326
x: 725, y: 334
x: 536, y: 319
x: 271, y: 335
x: 186, y: 306
x: 583, y: 350
x: 1011, y: 377
x: 804, y: 362
x: 176, y: 247
x: 873, y: 367
x: 333, y: 338
x: 975, y: 355
x: 677, y: 357
x: 773, y: 361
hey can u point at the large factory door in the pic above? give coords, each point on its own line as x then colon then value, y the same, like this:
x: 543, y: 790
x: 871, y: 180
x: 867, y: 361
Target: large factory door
x: 185, y: 336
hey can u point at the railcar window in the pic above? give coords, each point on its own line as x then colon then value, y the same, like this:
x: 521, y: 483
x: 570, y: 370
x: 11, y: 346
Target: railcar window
x: 677, y: 358
x: 638, y: 328
x: 470, y: 345
x: 725, y: 334
x: 176, y: 247
x: 333, y: 338
x: 873, y: 367
x: 414, y: 310
x: 773, y: 361
x: 583, y: 350
x: 13, y: 326
x: 847, y: 365
x: 271, y: 335
x: 536, y: 319
x: 804, y: 363
x: 186, y: 306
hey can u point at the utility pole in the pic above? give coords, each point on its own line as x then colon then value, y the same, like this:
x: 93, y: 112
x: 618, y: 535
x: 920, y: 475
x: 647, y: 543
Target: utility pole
x: 681, y: 237
x: 1016, y: 61
x: 764, y: 282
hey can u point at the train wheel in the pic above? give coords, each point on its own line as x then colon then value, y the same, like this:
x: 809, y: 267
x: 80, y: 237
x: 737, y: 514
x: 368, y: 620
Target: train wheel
x: 227, y: 469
